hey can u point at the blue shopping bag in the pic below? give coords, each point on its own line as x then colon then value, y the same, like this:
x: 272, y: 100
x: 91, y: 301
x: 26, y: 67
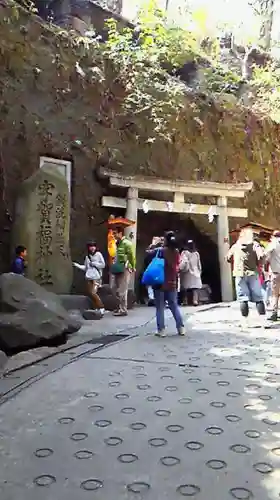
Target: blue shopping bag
x: 154, y: 274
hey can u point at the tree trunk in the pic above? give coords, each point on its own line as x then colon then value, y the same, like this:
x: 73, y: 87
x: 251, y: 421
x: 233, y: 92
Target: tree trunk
x: 267, y: 15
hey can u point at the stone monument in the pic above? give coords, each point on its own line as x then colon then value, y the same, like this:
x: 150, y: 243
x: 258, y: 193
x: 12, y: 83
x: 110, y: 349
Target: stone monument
x: 42, y: 221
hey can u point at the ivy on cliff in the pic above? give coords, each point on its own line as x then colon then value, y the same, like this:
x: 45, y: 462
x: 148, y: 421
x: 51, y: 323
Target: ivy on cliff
x: 139, y: 57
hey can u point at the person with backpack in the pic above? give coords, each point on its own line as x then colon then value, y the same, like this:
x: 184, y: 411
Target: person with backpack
x: 167, y: 287
x: 122, y: 268
x: 247, y: 254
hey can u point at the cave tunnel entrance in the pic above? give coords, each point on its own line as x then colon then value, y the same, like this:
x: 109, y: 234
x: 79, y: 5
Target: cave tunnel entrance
x: 186, y: 227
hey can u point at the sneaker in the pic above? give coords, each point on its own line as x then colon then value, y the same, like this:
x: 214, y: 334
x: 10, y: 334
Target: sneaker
x: 244, y: 323
x: 181, y: 331
x: 273, y: 317
x: 120, y: 313
x: 161, y: 333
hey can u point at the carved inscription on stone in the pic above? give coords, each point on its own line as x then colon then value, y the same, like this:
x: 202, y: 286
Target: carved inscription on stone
x: 60, y: 225
x: 42, y: 225
x: 44, y: 234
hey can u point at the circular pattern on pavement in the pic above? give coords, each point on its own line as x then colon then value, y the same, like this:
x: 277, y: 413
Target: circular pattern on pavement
x: 263, y: 467
x: 188, y: 490
x: 45, y: 480
x: 268, y: 421
x: 216, y: 464
x: 138, y: 487
x: 217, y: 404
x: 122, y: 395
x: 115, y: 383
x: 185, y: 401
x: 265, y: 397
x: 91, y: 484
x: 233, y: 418
x: 163, y: 413
x: 241, y: 493
x: 137, y: 426
x: 143, y: 387
x: 202, y: 391
x: 66, y: 420
x: 253, y: 387
x: 215, y: 431
x: 153, y: 399
x: 174, y: 428
x: 92, y: 394
x: 43, y: 452
x: 83, y: 454
x: 196, y: 414
x: 194, y: 445
x: 240, y: 448
x: 78, y: 436
x: 96, y: 408
x: 128, y: 410
x: 251, y: 433
x: 103, y: 423
x: 127, y: 458
x: 113, y: 441
x: 233, y: 394
x: 157, y: 442
x: 170, y: 461
x: 171, y: 388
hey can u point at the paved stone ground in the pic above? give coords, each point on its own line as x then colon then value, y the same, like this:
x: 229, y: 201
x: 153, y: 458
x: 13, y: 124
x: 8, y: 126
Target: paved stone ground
x: 149, y: 418
x: 138, y: 322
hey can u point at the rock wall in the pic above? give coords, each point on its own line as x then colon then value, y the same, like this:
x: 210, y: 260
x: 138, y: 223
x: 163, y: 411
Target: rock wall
x: 48, y: 109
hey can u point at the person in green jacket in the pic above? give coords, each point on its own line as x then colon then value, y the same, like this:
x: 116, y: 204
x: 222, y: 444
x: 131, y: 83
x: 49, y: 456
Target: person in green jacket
x: 122, y: 268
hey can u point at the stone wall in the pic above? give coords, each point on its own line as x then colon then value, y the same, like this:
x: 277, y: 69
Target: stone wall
x: 83, y: 15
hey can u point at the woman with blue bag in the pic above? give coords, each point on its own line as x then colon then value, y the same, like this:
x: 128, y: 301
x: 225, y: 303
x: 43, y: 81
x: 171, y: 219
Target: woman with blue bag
x: 162, y: 274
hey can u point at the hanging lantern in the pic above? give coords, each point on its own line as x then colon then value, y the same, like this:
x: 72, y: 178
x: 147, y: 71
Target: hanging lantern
x: 190, y: 208
x: 212, y: 212
x: 169, y: 206
x: 145, y: 207
x: 112, y: 246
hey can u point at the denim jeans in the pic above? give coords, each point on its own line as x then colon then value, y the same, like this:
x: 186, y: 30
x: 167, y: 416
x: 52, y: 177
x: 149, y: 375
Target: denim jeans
x: 248, y: 289
x: 172, y: 299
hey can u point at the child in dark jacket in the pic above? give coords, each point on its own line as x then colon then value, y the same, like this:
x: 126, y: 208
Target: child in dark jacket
x: 19, y: 262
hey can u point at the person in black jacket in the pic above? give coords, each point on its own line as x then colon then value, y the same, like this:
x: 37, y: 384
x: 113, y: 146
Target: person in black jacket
x: 157, y: 242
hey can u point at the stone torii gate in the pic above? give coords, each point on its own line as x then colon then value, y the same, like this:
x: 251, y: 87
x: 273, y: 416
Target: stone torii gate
x: 222, y: 191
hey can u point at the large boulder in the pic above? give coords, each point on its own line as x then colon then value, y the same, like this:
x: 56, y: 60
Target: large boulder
x: 31, y: 315
x: 3, y: 361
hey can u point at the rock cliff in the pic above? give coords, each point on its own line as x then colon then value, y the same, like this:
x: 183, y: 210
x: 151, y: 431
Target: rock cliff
x: 58, y: 98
